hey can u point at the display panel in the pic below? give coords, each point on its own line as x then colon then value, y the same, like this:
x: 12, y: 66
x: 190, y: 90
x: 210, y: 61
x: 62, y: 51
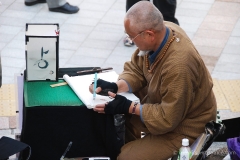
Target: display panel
x: 42, y: 52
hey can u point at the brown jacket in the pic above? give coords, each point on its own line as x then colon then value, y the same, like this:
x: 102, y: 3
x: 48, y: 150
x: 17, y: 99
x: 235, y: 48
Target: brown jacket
x: 177, y: 97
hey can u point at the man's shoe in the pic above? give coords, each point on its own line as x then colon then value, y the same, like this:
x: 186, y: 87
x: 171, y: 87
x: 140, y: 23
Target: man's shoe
x: 128, y: 42
x: 34, y: 2
x: 66, y: 8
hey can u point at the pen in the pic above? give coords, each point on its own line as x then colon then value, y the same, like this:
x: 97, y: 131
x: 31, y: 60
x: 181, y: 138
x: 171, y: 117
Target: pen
x: 94, y: 70
x: 95, y: 86
x: 68, y: 147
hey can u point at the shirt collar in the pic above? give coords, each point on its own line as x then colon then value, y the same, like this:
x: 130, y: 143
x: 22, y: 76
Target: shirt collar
x: 152, y: 54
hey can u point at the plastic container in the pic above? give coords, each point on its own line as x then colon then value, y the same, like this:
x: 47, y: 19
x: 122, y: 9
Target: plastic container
x: 185, y: 152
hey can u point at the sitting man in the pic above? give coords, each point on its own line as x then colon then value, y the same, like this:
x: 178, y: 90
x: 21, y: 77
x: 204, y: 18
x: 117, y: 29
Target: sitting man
x: 172, y: 82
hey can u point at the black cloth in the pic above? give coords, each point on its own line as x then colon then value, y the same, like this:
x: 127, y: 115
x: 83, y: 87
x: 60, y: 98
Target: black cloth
x: 49, y: 129
x: 232, y: 129
x: 166, y: 7
x: 9, y: 147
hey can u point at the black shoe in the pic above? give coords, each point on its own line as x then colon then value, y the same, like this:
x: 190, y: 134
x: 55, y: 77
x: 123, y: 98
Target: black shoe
x: 34, y: 2
x: 66, y: 8
x: 128, y: 42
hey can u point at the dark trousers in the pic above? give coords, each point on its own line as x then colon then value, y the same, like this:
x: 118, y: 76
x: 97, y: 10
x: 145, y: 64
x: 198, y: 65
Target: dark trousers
x: 166, y: 7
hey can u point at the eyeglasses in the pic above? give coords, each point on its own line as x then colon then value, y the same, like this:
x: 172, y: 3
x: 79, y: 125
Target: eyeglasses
x: 132, y: 39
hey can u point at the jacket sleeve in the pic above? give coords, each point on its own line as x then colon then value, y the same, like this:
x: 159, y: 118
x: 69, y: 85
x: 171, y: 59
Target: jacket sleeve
x: 133, y: 72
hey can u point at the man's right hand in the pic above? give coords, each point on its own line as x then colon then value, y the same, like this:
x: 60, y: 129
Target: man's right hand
x: 103, y: 87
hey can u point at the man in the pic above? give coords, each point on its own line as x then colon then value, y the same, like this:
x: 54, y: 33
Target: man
x: 55, y: 5
x: 174, y: 87
x: 166, y: 7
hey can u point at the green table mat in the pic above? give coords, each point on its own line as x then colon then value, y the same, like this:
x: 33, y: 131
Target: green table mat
x: 40, y: 93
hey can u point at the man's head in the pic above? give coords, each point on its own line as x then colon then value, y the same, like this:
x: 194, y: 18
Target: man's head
x: 144, y: 25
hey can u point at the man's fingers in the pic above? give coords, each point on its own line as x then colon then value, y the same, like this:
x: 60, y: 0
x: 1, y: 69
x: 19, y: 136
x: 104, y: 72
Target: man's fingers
x: 113, y: 95
x: 98, y: 89
x: 99, y: 108
x: 91, y: 87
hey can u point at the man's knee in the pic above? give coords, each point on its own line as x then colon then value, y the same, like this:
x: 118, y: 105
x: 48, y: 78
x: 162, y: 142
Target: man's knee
x: 126, y: 155
x: 123, y: 154
x: 145, y: 155
x: 121, y: 157
x: 147, y: 148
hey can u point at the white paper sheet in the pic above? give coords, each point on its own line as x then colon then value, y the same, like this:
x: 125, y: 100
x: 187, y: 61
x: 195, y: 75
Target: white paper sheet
x: 80, y: 85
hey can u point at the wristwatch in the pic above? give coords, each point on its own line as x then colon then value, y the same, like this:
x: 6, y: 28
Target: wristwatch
x: 134, y: 107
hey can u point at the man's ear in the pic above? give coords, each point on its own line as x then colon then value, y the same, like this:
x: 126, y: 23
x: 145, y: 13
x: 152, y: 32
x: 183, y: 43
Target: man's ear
x: 150, y: 33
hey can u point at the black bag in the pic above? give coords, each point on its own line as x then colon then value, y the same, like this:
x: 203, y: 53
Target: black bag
x: 9, y: 147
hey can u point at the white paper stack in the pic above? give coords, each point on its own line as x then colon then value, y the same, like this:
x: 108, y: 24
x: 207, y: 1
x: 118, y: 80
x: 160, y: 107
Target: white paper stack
x: 80, y: 85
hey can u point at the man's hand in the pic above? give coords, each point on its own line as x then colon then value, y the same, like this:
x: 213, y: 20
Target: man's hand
x: 103, y: 87
x: 120, y: 105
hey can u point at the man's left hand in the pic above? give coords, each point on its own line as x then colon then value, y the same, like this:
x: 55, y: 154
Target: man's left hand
x: 120, y: 105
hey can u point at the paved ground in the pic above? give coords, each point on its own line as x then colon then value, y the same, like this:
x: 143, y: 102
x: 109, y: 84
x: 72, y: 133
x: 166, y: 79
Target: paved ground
x: 94, y: 37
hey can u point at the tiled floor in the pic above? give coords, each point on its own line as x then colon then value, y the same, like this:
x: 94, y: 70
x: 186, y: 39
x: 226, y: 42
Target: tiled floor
x: 94, y: 37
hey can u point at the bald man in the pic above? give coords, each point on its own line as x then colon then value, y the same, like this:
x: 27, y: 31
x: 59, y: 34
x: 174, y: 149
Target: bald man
x: 172, y: 82
x: 166, y: 7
